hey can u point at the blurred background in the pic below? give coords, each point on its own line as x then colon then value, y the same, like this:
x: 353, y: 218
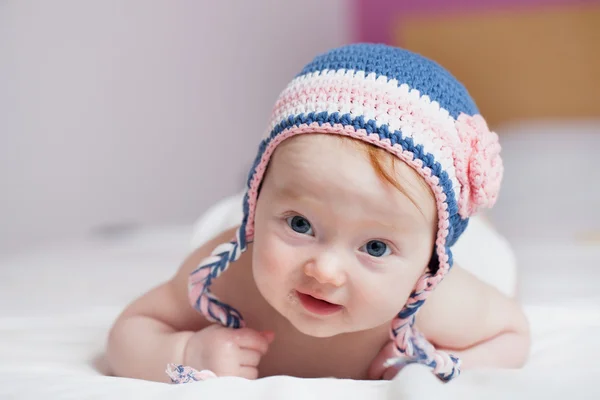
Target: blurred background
x: 123, y: 114
x: 115, y: 114
x: 123, y: 121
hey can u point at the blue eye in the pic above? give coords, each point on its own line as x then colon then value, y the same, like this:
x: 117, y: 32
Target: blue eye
x: 299, y: 224
x: 376, y: 248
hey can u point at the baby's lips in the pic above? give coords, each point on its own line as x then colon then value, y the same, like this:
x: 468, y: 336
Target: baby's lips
x: 269, y: 335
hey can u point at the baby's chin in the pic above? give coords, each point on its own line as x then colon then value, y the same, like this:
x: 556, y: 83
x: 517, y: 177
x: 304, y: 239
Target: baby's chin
x: 323, y: 330
x: 329, y: 329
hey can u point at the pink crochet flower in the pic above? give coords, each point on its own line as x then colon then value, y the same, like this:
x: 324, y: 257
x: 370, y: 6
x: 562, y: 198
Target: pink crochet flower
x: 479, y: 168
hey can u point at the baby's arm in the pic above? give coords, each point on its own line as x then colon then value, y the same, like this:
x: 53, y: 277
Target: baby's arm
x: 153, y: 330
x: 476, y: 322
x: 161, y: 327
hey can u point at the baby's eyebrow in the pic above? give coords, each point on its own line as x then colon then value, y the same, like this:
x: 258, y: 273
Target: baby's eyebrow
x: 288, y: 192
x: 399, y: 224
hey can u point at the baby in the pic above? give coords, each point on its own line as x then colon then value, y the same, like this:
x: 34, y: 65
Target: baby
x: 374, y: 160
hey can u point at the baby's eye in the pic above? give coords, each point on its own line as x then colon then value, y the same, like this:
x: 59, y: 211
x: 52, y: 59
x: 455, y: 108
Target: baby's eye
x: 299, y: 224
x: 376, y: 248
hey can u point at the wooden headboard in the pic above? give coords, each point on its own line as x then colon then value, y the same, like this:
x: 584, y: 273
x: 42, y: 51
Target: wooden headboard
x: 517, y: 63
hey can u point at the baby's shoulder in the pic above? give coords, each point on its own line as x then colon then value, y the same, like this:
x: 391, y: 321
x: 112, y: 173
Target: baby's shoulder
x: 202, y: 252
x: 235, y: 286
x: 231, y: 276
x: 237, y: 277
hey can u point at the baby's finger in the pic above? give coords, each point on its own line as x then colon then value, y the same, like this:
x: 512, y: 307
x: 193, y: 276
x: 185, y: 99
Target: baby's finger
x: 247, y: 338
x: 248, y: 372
x: 249, y: 358
x: 377, y: 368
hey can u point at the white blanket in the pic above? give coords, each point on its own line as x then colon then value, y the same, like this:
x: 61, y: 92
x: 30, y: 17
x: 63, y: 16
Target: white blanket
x: 57, y: 303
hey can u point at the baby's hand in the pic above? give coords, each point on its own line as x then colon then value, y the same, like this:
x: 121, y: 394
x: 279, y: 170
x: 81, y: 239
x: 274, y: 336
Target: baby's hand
x: 226, y: 351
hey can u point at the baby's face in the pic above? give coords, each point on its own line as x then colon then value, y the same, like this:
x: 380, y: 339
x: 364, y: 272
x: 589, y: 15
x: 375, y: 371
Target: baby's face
x: 337, y: 249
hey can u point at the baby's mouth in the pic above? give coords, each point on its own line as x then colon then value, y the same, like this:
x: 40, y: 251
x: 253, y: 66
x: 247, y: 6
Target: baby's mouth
x: 318, y: 306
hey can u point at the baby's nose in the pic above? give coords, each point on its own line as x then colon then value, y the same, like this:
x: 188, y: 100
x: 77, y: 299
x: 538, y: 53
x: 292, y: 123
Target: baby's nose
x: 326, y: 269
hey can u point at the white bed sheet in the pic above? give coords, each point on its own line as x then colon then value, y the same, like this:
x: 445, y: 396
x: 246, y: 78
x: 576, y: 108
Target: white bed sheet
x: 57, y: 303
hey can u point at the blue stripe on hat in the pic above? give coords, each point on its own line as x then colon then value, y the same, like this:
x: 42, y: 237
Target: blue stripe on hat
x: 418, y: 72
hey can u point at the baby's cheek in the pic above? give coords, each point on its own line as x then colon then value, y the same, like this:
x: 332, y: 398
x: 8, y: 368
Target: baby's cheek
x: 270, y: 259
x: 371, y: 301
x: 387, y: 296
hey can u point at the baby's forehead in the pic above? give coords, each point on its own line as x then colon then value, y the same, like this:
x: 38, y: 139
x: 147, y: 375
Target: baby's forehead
x: 320, y: 163
x: 333, y: 154
x: 320, y: 156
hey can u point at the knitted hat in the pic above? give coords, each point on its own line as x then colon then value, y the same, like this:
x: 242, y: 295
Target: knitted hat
x: 413, y: 108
